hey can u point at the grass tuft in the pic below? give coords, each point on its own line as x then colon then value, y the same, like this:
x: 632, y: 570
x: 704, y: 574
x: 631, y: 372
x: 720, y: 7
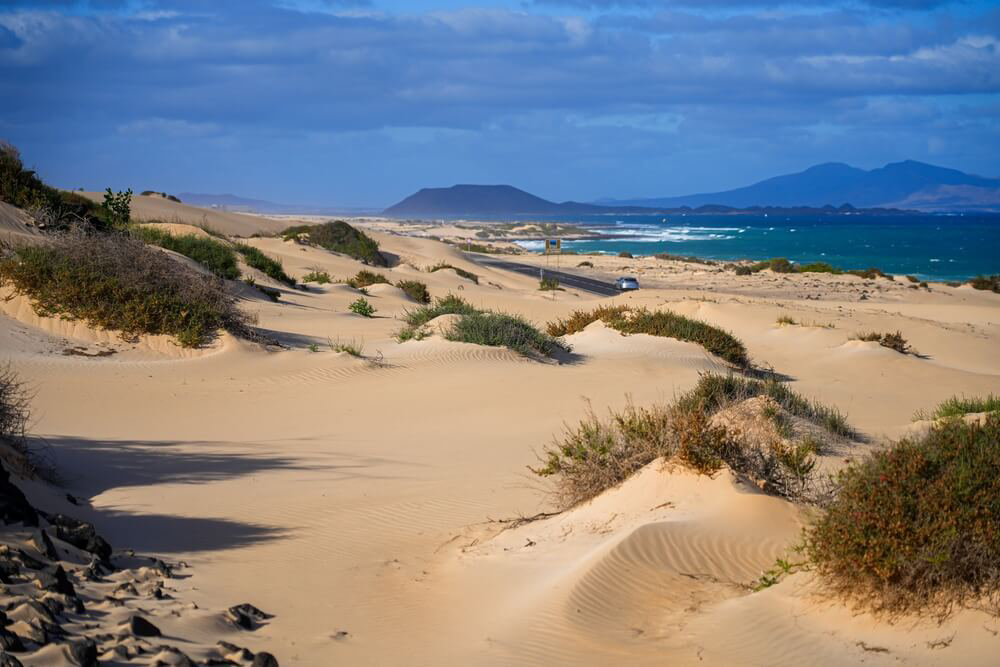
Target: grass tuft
x: 893, y: 341
x: 629, y: 320
x: 503, y: 330
x: 362, y: 307
x: 317, y: 276
x: 216, y: 256
x: 468, y: 275
x: 415, y: 289
x: 957, y: 406
x: 269, y: 266
x: 365, y: 278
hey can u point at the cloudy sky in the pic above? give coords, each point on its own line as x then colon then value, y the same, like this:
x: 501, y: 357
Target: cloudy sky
x: 361, y: 102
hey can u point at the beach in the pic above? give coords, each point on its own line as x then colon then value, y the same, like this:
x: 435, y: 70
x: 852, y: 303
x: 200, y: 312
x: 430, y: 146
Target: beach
x: 371, y: 503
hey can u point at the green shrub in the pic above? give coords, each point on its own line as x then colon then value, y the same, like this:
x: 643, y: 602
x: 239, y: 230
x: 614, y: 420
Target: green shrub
x: 362, y: 307
x: 986, y: 282
x: 549, y: 284
x: 339, y: 237
x: 468, y: 275
x: 683, y: 258
x: 915, y: 526
x: 116, y: 282
x: 503, y: 330
x: 657, y: 323
x: 321, y: 277
x: 778, y: 265
x: 267, y: 265
x: 743, y: 270
x: 957, y: 406
x: 870, y: 274
x: 625, y: 255
x: 216, y: 256
x: 366, y: 278
x: 416, y: 290
x: 819, y: 267
x: 53, y: 209
x: 714, y: 392
x: 117, y: 208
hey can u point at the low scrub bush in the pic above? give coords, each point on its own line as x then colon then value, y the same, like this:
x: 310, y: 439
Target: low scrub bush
x: 320, y: 277
x: 893, y: 341
x: 624, y: 254
x: 362, y: 307
x: 269, y: 266
x: 915, y: 526
x: 468, y: 275
x: 683, y: 258
x: 339, y: 237
x: 657, y: 323
x: 111, y: 281
x: 415, y: 289
x: 600, y: 453
x: 785, y: 319
x: 503, y: 330
x: 913, y: 279
x: 778, y: 265
x: 586, y: 263
x: 216, y: 256
x: 957, y: 406
x: 743, y: 270
x: 366, y: 278
x: 991, y: 283
x: 715, y: 392
x: 448, y: 305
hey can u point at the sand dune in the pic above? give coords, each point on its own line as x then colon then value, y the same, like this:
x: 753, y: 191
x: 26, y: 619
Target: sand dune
x: 356, y: 498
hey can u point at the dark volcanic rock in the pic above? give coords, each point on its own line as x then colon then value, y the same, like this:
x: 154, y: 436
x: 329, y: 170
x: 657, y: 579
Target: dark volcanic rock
x: 247, y: 616
x: 7, y: 660
x: 140, y: 627
x: 264, y: 659
x: 43, y: 543
x: 80, y: 534
x: 84, y: 653
x: 9, y: 641
x: 14, y: 507
x: 55, y: 580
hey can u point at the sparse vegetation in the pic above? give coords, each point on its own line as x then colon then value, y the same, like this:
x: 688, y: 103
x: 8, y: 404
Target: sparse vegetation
x: 629, y: 320
x: 549, y: 284
x: 339, y: 237
x: 778, y: 265
x: 147, y: 193
x: 468, y: 275
x: 624, y: 254
x: 783, y: 265
x: 914, y: 526
x: 216, y: 256
x: 362, y: 307
x: 958, y: 406
x: 415, y: 289
x: 684, y: 258
x: 366, y: 278
x: 586, y: 263
x: 111, y: 281
x: 991, y: 282
x: 913, y: 279
x: 714, y: 392
x: 893, y: 341
x: 785, y: 320
x: 503, y: 330
x: 448, y: 305
x: 267, y: 265
x: 351, y: 347
x: 601, y: 453
x: 316, y: 276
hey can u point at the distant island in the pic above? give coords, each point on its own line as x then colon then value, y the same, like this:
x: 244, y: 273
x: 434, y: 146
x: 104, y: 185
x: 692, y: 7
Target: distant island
x: 506, y: 200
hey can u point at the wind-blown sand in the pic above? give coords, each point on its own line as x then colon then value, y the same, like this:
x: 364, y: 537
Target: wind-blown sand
x: 358, y: 500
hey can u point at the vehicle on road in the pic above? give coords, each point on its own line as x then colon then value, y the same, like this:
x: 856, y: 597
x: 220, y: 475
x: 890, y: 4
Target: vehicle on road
x: 626, y: 283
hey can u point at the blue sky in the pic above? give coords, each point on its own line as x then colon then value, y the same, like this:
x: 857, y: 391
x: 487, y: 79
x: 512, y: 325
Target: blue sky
x: 361, y: 102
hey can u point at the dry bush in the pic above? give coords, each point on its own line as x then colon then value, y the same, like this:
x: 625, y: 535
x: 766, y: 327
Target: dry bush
x: 111, y: 281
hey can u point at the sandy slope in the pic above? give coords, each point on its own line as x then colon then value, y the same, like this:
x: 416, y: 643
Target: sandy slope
x: 353, y: 498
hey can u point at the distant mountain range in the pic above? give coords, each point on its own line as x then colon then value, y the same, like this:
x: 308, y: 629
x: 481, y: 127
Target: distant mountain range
x: 900, y: 185
x: 908, y: 184
x: 237, y: 204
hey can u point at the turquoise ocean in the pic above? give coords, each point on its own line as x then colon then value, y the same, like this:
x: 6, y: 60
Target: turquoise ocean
x: 933, y: 247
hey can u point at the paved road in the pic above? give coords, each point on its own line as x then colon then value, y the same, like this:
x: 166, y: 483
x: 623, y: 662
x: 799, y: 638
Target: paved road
x: 567, y: 279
